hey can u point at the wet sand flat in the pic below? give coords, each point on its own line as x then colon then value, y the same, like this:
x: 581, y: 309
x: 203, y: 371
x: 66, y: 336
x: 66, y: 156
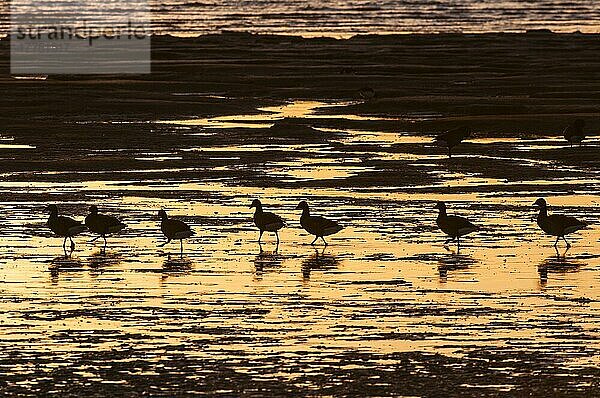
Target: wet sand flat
x: 385, y: 309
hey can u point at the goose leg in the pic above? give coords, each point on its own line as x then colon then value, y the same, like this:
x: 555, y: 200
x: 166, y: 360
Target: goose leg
x: 449, y: 152
x: 164, y: 243
x: 568, y: 244
x: 181, y: 246
x: 277, y: 235
x: 93, y: 240
x: 556, y: 243
x: 324, y: 241
x: 260, y: 236
x: 72, y: 244
x: 313, y: 242
x: 65, y: 244
x: 105, y: 242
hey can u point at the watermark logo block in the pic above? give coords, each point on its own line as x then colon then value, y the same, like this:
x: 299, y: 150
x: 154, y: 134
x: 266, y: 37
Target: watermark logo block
x: 80, y: 37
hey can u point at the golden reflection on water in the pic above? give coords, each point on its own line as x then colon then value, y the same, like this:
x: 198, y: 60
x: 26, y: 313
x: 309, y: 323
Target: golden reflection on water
x: 358, y: 270
x: 269, y: 115
x: 385, y: 283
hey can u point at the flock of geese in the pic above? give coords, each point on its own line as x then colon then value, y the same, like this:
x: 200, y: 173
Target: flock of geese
x: 574, y: 133
x: 453, y: 226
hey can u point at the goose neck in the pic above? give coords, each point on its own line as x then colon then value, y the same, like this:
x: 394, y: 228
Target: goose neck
x: 543, y: 212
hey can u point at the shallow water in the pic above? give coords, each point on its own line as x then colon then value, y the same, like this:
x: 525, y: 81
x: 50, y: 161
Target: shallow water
x: 345, y: 18
x: 384, y: 289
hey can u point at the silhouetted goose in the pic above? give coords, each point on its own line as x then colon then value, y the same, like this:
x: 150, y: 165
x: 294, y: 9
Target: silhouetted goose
x: 102, y: 224
x: 367, y: 93
x: 317, y: 225
x: 453, y: 226
x: 266, y: 221
x: 64, y: 226
x: 574, y: 132
x: 173, y: 229
x: 453, y: 137
x: 557, y: 224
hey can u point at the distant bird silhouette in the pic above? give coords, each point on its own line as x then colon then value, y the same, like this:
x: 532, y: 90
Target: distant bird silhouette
x: 317, y: 225
x: 367, y: 93
x: 173, y: 229
x: 266, y: 221
x: 453, y: 137
x: 102, y: 224
x: 557, y: 224
x: 574, y: 132
x: 453, y: 226
x: 64, y: 226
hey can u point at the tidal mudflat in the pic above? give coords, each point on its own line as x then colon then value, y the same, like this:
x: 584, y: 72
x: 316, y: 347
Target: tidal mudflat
x: 385, y: 309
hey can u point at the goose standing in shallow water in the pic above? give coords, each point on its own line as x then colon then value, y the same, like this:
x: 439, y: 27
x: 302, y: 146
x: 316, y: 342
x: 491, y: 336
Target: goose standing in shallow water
x: 102, y: 224
x: 574, y: 132
x: 317, y: 225
x: 173, y: 229
x: 266, y: 221
x: 453, y: 137
x: 453, y: 226
x: 557, y: 224
x: 64, y: 226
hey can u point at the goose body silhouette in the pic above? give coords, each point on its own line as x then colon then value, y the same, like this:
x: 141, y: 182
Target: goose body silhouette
x: 64, y: 226
x: 453, y: 137
x: 318, y: 226
x: 102, y: 224
x: 173, y: 229
x: 557, y: 224
x: 266, y: 221
x: 453, y: 226
x: 574, y: 132
x: 367, y: 93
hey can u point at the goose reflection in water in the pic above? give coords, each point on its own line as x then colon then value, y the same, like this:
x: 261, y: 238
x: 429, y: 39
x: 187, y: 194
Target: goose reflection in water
x: 558, y: 264
x: 176, y: 266
x: 104, y: 259
x: 318, y: 261
x: 63, y: 264
x: 453, y: 262
x: 267, y: 259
